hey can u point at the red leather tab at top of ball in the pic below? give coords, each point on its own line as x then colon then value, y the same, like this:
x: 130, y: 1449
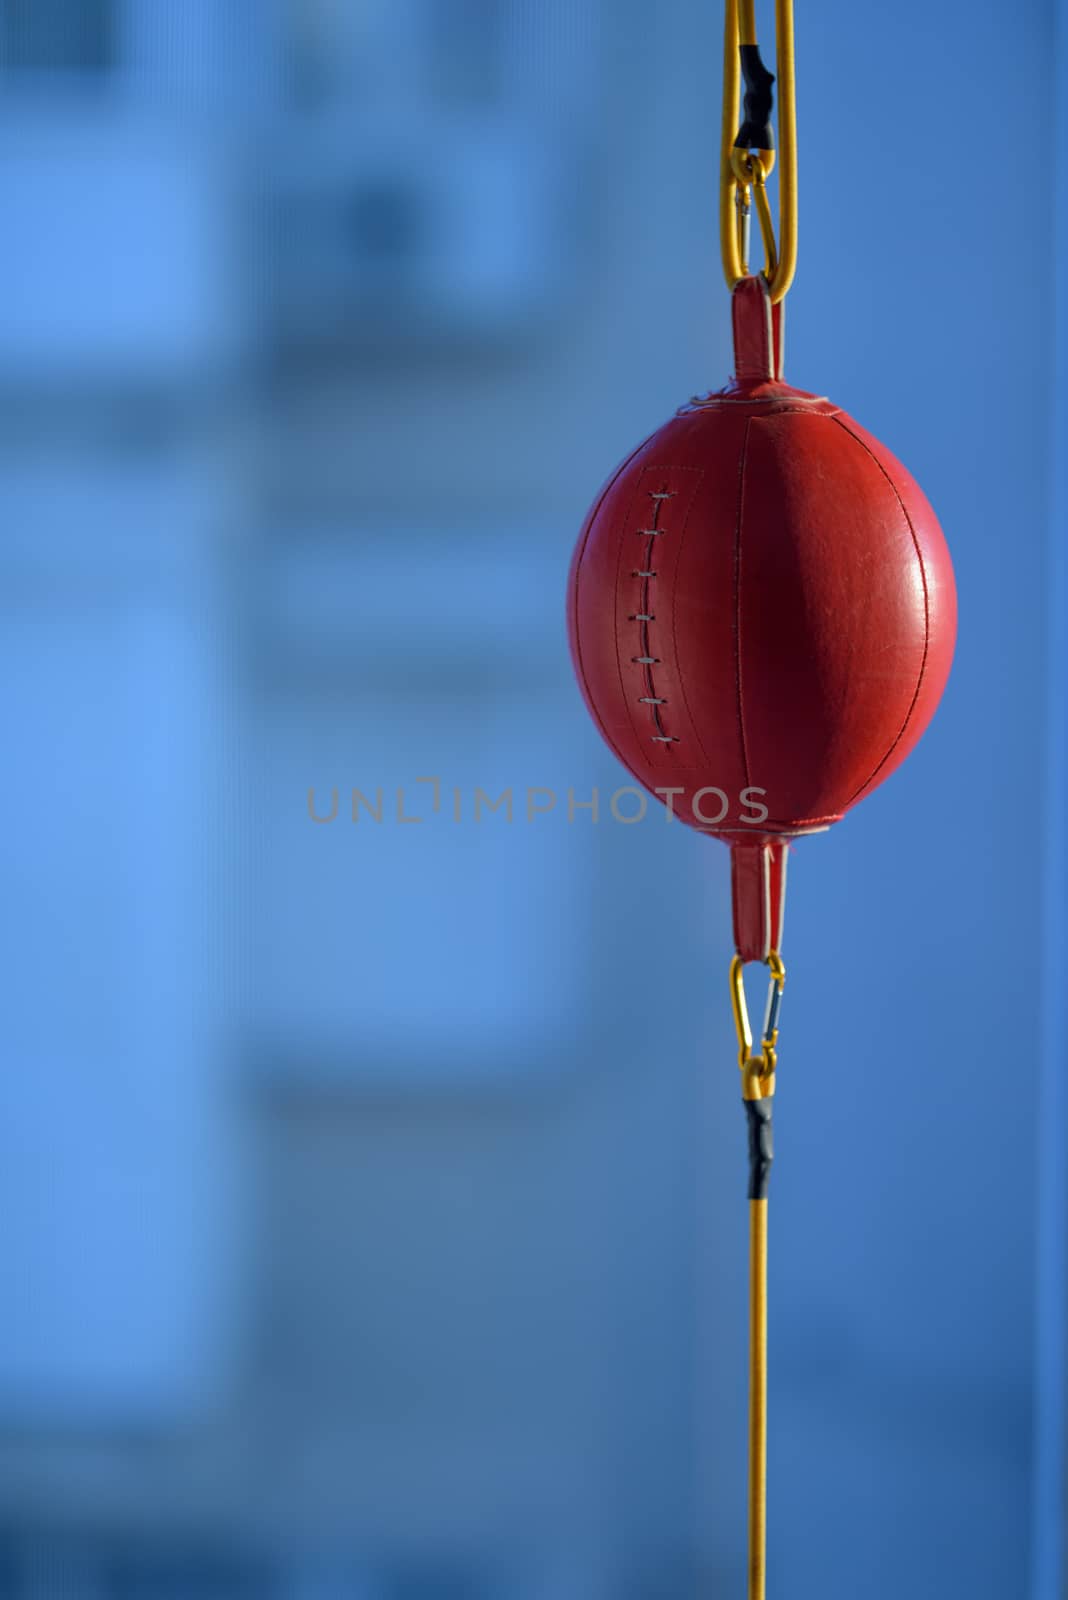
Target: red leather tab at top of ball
x: 754, y: 343
x: 758, y: 328
x: 758, y: 331
x: 758, y: 895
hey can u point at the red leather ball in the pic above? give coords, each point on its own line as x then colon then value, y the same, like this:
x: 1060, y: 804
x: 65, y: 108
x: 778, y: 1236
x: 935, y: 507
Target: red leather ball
x: 761, y: 599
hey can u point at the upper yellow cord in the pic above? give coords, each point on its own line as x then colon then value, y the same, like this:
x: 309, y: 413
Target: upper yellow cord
x: 743, y: 173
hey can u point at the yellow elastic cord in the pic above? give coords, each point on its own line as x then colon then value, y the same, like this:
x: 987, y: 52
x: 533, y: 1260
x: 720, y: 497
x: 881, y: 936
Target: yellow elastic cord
x: 758, y: 1069
x: 758, y: 1397
x: 729, y: 231
x: 744, y: 172
x: 783, y: 275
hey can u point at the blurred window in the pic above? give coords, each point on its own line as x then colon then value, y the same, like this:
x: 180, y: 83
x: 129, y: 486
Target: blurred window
x: 466, y: 53
x: 57, y: 35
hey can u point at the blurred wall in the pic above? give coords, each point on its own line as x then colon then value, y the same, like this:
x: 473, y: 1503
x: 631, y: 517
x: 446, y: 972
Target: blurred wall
x: 374, y: 1221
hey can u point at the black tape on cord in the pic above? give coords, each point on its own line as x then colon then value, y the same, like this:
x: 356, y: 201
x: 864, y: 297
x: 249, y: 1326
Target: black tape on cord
x: 756, y: 132
x: 761, y: 1148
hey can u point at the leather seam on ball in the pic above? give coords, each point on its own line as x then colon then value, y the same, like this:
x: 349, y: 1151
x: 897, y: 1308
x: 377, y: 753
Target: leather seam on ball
x: 738, y: 598
x: 926, y: 612
x: 676, y: 652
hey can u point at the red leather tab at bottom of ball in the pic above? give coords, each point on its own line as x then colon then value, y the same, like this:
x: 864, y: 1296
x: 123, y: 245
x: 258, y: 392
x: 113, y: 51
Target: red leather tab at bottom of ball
x: 758, y: 893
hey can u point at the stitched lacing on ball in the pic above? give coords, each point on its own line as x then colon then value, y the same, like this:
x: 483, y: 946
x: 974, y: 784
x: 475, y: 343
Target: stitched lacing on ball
x: 644, y: 616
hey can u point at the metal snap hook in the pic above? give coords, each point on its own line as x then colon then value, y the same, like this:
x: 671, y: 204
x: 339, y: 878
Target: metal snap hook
x: 758, y: 1070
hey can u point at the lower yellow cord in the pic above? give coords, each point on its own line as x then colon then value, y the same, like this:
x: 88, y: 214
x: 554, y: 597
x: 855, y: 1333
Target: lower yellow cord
x: 758, y: 1397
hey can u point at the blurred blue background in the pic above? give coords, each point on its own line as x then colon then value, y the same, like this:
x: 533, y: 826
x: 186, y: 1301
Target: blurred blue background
x: 372, y: 1195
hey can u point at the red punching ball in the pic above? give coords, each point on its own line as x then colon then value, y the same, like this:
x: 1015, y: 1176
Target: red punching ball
x: 762, y: 614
